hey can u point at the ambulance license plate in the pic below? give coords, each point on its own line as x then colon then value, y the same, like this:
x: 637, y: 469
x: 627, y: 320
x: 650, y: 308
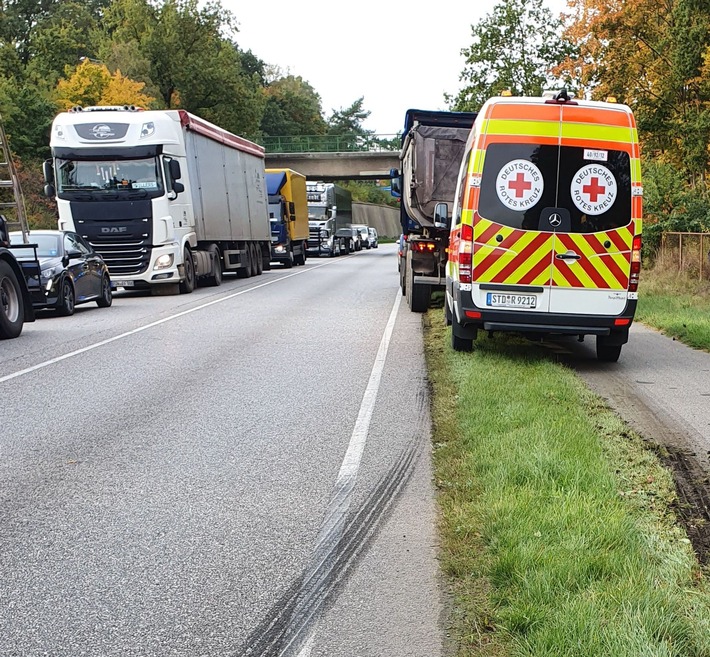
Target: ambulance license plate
x: 497, y: 300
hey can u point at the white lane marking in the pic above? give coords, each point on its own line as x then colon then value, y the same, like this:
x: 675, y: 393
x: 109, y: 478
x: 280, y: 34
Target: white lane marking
x: 83, y: 350
x: 306, y: 650
x: 333, y: 525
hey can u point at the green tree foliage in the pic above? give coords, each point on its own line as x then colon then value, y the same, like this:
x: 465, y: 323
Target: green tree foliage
x: 192, y: 65
x: 61, y: 39
x: 27, y: 115
x: 514, y: 48
x: 348, y: 121
x: 292, y: 108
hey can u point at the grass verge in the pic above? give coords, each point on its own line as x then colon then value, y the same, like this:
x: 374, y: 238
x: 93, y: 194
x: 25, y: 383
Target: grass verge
x: 556, y: 530
x: 677, y: 305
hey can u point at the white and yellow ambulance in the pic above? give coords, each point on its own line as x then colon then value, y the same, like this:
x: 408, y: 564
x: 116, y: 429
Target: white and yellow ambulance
x: 546, y: 226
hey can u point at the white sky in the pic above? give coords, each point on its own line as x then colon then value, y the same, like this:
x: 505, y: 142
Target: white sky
x: 397, y: 54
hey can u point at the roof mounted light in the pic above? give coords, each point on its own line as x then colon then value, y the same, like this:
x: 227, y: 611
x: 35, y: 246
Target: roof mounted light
x: 562, y: 97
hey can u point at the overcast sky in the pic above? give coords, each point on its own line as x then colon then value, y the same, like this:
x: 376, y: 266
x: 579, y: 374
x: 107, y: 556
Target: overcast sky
x: 396, y: 54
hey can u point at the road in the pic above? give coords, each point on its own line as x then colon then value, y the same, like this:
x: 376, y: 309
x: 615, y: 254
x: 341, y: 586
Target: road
x: 223, y: 473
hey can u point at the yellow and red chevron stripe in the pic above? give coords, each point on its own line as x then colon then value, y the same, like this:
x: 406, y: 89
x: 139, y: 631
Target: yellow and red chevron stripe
x: 528, y: 257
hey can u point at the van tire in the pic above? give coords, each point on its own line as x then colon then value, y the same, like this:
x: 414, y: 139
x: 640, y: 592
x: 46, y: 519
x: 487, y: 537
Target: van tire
x: 458, y: 343
x: 607, y: 353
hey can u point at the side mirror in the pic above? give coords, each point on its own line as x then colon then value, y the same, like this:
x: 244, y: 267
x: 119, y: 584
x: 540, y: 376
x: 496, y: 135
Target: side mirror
x: 441, y: 216
x: 48, y: 172
x: 395, y: 183
x: 178, y: 187
x: 175, y: 172
x: 50, y: 191
x: 292, y: 210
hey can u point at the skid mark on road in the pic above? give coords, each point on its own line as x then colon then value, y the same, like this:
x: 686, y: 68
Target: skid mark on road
x: 286, y: 629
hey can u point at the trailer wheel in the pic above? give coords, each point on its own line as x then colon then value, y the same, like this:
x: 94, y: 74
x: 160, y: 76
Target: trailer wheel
x: 245, y: 271
x: 188, y: 284
x: 254, y: 265
x: 12, y: 308
x: 216, y: 279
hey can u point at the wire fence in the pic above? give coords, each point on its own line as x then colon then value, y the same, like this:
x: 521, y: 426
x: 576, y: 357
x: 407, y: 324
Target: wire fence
x: 687, y: 253
x: 332, y: 143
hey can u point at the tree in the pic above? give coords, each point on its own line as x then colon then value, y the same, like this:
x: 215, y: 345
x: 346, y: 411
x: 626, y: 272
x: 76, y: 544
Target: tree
x: 193, y: 65
x: 348, y: 121
x: 61, y: 39
x: 292, y: 108
x: 515, y: 48
x: 93, y: 84
x: 654, y: 57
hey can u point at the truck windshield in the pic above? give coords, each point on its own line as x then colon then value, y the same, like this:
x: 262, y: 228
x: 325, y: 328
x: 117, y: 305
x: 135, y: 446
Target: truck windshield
x: 124, y: 176
x: 317, y: 211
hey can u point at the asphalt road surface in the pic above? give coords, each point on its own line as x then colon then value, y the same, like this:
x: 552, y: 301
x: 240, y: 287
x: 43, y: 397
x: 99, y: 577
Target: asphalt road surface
x: 240, y: 471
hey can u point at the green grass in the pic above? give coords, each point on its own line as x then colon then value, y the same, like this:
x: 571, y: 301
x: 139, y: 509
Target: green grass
x: 677, y: 305
x: 557, y: 534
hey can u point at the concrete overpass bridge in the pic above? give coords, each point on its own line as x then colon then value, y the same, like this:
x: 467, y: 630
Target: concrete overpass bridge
x: 335, y: 157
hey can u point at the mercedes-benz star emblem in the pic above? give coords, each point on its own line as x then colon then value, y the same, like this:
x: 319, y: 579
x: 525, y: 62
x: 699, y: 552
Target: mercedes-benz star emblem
x: 555, y: 220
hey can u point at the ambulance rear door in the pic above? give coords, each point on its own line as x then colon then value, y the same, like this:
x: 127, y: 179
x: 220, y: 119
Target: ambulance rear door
x: 592, y: 246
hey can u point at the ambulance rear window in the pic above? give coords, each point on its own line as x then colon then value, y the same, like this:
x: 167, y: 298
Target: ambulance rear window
x: 520, y: 180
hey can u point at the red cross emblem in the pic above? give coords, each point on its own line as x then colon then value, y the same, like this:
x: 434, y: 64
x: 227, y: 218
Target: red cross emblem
x: 519, y: 185
x: 594, y: 189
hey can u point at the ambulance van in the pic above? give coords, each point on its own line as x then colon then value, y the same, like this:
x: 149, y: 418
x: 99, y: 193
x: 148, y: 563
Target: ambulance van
x: 545, y: 233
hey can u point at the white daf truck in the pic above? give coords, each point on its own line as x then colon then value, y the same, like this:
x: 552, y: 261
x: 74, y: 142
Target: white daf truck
x: 167, y: 198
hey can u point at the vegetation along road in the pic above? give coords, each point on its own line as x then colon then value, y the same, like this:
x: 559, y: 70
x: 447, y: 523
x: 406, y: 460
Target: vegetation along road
x: 574, y: 495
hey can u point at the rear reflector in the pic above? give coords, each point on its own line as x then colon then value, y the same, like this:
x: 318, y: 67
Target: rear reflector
x: 473, y: 314
x: 622, y: 321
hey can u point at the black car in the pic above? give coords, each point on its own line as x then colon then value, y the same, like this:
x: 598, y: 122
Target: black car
x: 72, y: 272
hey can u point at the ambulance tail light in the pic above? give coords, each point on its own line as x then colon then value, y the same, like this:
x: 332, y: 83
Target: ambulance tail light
x: 635, y: 264
x: 466, y: 254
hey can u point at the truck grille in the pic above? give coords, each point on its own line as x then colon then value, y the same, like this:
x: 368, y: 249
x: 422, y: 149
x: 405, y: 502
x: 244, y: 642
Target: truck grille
x: 123, y: 257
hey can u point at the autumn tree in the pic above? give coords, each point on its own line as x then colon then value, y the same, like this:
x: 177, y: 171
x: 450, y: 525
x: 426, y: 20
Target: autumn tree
x: 93, y: 84
x: 514, y: 48
x: 654, y: 57
x: 194, y: 63
x: 292, y: 108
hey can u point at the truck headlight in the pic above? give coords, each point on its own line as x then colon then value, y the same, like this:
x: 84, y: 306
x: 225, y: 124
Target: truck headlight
x: 279, y: 248
x: 164, y: 261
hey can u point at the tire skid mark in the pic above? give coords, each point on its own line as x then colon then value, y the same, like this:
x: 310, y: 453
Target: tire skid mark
x: 285, y: 628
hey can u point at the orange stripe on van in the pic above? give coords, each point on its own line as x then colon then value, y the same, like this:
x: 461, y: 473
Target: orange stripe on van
x: 522, y: 112
x: 578, y: 114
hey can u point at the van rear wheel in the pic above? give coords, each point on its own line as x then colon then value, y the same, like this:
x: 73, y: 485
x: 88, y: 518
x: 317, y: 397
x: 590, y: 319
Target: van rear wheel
x: 607, y: 353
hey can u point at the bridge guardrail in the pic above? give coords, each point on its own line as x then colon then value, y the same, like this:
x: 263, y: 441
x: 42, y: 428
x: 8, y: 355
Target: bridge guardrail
x: 332, y: 143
